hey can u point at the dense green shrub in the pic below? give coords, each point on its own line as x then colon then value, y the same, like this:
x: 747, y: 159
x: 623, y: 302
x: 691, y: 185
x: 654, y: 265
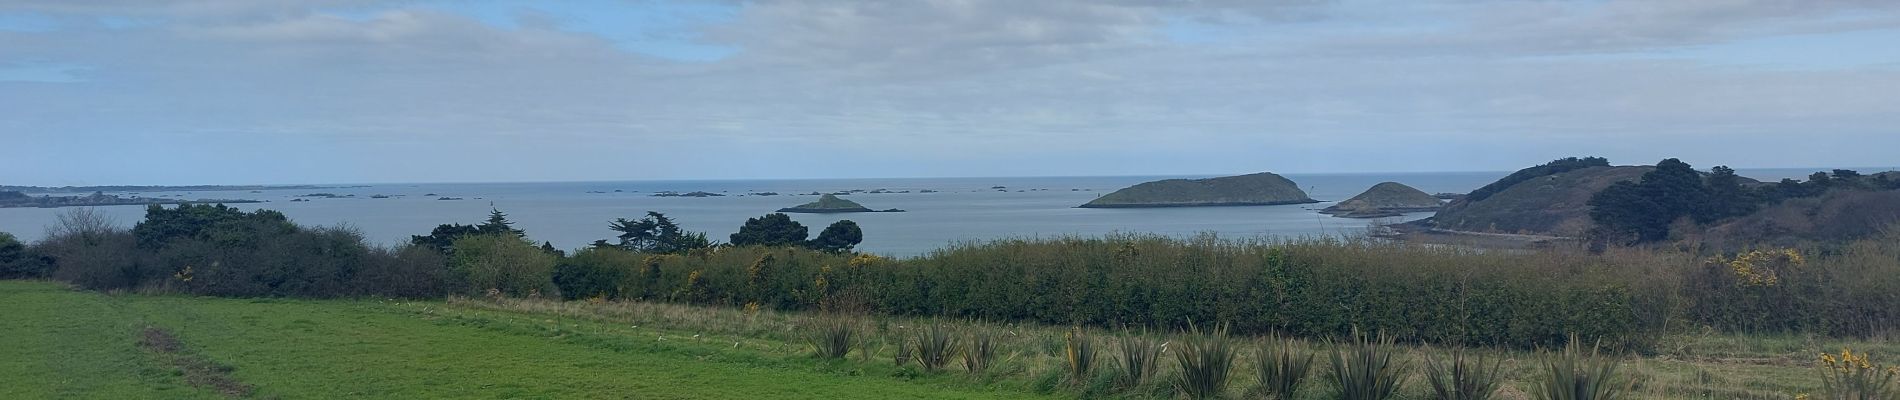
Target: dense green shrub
x: 410, y: 272
x: 595, y: 272
x: 503, y: 263
x: 16, y: 262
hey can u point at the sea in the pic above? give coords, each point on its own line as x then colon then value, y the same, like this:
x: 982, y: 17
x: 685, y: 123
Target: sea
x: 955, y: 210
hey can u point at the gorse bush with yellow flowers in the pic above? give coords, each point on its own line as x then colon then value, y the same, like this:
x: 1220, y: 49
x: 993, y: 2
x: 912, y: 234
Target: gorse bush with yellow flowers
x: 1850, y: 376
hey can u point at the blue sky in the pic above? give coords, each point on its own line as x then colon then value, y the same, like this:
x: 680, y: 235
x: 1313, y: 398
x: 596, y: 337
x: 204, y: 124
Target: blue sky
x: 241, y: 91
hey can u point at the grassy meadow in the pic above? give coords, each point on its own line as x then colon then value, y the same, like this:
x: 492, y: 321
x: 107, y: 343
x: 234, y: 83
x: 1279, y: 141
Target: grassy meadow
x: 80, y: 344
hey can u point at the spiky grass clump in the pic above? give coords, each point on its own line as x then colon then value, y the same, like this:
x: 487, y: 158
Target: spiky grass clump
x: 981, y: 353
x: 1206, y: 362
x: 1578, y: 375
x: 1079, y: 354
x: 834, y: 337
x: 1139, y: 354
x: 1463, y: 377
x: 1282, y: 368
x: 1365, y: 369
x: 935, y: 346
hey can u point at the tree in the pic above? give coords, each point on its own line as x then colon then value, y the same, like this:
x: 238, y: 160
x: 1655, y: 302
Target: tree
x: 775, y: 229
x: 656, y: 234
x: 498, y: 223
x: 14, y: 262
x: 1644, y: 210
x: 1726, y: 197
x: 442, y: 238
x: 502, y: 262
x: 840, y: 237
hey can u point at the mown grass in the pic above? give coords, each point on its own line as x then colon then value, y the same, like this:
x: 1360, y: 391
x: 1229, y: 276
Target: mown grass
x: 75, y: 344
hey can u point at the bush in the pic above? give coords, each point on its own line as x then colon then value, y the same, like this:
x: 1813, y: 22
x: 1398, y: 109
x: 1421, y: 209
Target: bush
x: 935, y: 346
x: 1282, y: 368
x: 409, y: 272
x: 16, y: 262
x: 1206, y: 362
x: 1365, y: 370
x: 1576, y: 375
x: 504, y: 263
x: 594, y: 272
x: 834, y: 337
x: 1463, y: 378
x: 1139, y: 355
x: 1078, y: 354
x: 981, y: 352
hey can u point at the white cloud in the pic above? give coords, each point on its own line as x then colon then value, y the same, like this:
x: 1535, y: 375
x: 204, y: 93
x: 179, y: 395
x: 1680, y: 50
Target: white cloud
x: 925, y: 88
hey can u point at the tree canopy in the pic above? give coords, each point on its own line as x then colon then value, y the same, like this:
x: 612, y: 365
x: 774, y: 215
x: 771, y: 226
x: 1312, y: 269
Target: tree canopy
x: 775, y: 229
x: 840, y: 237
x: 656, y: 234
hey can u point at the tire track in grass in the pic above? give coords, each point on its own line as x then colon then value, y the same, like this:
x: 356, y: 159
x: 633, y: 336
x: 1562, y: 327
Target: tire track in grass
x: 198, y: 371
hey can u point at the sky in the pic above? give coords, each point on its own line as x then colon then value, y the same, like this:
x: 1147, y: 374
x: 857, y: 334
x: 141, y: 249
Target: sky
x: 370, y: 91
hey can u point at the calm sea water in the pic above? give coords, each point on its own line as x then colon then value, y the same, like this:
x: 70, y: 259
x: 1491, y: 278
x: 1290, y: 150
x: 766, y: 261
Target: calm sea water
x: 962, y: 209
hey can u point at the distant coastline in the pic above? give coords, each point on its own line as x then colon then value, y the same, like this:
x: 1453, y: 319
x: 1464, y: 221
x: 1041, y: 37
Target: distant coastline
x: 163, y: 188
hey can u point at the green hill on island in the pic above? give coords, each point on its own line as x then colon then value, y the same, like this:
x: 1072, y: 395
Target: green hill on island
x: 1555, y: 204
x: 831, y: 204
x: 1259, y: 189
x: 1386, y: 199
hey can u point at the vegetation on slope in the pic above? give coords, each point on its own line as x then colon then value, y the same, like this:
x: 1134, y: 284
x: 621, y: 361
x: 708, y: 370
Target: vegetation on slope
x: 1263, y: 188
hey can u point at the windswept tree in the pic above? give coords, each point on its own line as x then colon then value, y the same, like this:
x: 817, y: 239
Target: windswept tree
x: 775, y: 229
x: 498, y: 223
x: 443, y: 237
x: 840, y: 237
x: 656, y: 234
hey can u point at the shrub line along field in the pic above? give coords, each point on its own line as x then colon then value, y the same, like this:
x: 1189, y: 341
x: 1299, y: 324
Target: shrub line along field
x: 75, y: 344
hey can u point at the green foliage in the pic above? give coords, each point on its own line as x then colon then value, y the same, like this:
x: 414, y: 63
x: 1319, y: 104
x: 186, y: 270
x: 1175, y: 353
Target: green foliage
x: 1282, y: 368
x: 833, y: 337
x: 442, y: 238
x: 1462, y: 377
x: 1206, y: 362
x: 657, y: 234
x: 15, y: 262
x: 936, y: 344
x: 1576, y: 375
x: 1138, y: 360
x: 1642, y: 211
x: 981, y: 353
x: 1546, y: 169
x: 775, y: 229
x: 1079, y: 354
x: 1365, y: 370
x: 501, y: 262
x: 839, y: 237
x: 218, y: 224
x: 591, y: 273
x: 1852, y: 376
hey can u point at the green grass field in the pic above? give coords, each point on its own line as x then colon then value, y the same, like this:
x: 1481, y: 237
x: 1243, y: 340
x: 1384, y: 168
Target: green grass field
x: 64, y: 343
x: 70, y: 344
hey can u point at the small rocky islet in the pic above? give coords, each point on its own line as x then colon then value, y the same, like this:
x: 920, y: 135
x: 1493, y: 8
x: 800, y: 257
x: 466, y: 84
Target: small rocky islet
x: 1386, y: 199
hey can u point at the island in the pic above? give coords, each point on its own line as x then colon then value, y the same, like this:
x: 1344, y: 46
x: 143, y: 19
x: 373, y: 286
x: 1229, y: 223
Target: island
x: 831, y: 204
x: 13, y: 199
x: 1261, y: 189
x: 691, y: 194
x: 1386, y: 199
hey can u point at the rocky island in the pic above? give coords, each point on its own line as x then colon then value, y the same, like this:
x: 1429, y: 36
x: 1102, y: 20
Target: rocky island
x: 830, y: 204
x: 1386, y: 199
x: 1261, y: 189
